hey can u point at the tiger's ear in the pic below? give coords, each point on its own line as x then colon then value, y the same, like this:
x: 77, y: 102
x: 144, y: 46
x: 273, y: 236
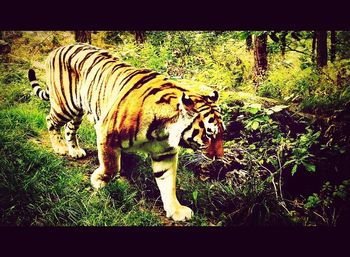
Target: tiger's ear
x: 187, y: 101
x: 213, y: 96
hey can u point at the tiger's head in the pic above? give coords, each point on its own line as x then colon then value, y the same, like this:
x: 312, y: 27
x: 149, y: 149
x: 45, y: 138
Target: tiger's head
x: 205, y: 131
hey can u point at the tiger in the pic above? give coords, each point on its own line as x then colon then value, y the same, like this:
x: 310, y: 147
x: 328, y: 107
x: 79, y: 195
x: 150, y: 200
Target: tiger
x: 133, y: 110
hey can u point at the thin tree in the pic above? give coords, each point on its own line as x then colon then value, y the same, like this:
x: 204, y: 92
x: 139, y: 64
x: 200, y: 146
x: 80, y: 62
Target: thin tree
x: 321, y: 48
x: 140, y: 36
x: 82, y: 36
x: 314, y: 39
x: 333, y: 45
x: 283, y: 43
x: 260, y: 58
x: 5, y: 48
x: 249, y: 42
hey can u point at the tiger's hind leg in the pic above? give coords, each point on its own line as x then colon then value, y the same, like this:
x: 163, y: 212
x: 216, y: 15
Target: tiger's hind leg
x: 54, y: 126
x: 70, y: 130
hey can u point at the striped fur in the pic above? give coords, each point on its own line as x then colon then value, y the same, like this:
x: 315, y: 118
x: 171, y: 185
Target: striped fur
x: 133, y: 110
x: 42, y: 94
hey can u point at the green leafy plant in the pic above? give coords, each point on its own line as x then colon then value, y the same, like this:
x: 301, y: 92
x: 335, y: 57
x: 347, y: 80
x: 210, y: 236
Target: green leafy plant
x: 301, y: 151
x: 312, y: 201
x: 326, y: 206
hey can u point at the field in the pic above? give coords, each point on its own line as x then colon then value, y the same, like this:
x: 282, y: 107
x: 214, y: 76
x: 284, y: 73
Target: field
x: 283, y: 169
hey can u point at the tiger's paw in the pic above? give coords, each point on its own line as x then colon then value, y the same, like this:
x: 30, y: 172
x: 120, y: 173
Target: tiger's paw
x: 77, y: 153
x: 99, y: 178
x: 96, y: 179
x: 181, y: 213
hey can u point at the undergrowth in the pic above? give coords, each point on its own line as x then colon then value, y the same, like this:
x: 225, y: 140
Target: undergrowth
x: 40, y: 188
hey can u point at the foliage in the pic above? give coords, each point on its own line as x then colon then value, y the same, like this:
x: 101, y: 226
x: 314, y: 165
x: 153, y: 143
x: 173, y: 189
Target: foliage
x: 327, y: 205
x: 113, y: 37
x: 343, y: 47
x: 40, y: 188
x: 301, y: 151
x: 268, y: 142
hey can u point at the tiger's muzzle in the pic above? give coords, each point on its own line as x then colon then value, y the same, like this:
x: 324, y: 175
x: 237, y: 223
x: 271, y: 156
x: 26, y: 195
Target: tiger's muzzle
x: 215, y: 148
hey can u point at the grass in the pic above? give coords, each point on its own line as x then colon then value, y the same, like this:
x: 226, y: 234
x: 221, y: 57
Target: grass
x: 40, y: 188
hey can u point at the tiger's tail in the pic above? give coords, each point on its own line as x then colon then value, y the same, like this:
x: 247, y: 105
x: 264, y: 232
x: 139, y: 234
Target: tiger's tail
x: 41, y: 93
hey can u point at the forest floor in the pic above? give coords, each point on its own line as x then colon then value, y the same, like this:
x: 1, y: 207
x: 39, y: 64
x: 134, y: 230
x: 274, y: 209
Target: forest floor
x: 41, y: 188
x: 282, y: 168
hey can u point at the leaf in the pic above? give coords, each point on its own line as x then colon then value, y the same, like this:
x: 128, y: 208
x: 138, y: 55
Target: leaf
x: 278, y: 108
x: 312, y: 201
x: 303, y: 139
x: 253, y: 110
x: 268, y: 112
x: 309, y: 167
x: 260, y: 119
x: 317, y: 134
x: 252, y: 146
x: 258, y: 106
x: 195, y: 195
x: 255, y: 125
x: 294, y: 169
x: 249, y: 124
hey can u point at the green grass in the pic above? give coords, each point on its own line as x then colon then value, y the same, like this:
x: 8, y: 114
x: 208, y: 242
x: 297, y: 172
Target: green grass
x: 41, y: 188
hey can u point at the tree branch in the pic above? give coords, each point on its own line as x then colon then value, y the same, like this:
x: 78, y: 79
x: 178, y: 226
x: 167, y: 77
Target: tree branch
x: 298, y: 51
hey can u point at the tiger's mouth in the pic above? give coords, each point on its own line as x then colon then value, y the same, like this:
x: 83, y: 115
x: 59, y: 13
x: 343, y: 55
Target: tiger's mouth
x: 206, y: 152
x: 215, y: 149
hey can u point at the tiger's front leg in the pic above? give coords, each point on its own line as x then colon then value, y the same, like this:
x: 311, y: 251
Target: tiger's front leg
x: 109, y: 159
x: 164, y: 168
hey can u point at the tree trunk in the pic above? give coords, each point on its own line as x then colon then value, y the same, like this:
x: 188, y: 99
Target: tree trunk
x: 283, y: 43
x: 313, y: 46
x: 5, y: 49
x: 260, y: 58
x: 82, y: 36
x: 333, y: 45
x: 321, y: 48
x: 249, y: 42
x: 140, y: 36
